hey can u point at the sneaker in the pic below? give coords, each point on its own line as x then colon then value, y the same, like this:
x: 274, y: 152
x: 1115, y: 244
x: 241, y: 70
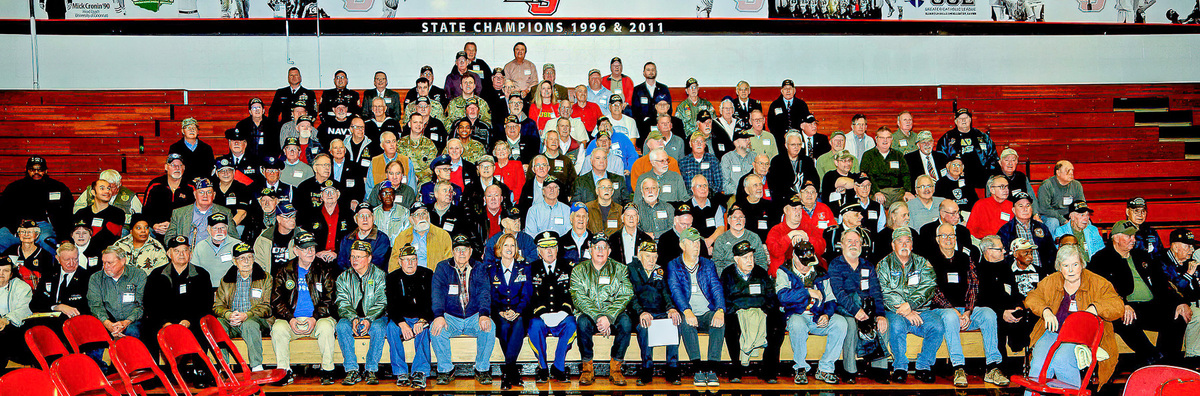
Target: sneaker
x: 899, y: 377
x: 286, y: 380
x: 829, y: 378
x: 801, y: 378
x: 712, y: 379
x: 960, y: 377
x: 402, y: 380
x: 483, y: 377
x: 700, y: 379
x: 326, y: 377
x: 352, y: 377
x: 371, y: 378
x: 417, y: 380
x: 995, y: 377
x: 444, y: 378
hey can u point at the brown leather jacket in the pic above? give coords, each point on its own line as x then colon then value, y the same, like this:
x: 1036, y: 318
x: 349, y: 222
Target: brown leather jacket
x: 1094, y: 290
x: 322, y: 287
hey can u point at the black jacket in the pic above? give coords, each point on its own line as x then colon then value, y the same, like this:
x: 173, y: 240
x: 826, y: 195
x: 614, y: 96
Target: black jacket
x: 198, y: 162
x: 75, y: 295
x: 170, y: 302
x: 781, y: 176
x: 738, y: 293
x: 780, y: 118
x: 917, y: 168
x: 410, y: 296
x: 743, y: 112
x: 1109, y: 264
x: 551, y: 291
x: 45, y: 199
x: 617, y: 246
x: 650, y: 291
x: 820, y: 145
x: 281, y: 105
x: 328, y: 97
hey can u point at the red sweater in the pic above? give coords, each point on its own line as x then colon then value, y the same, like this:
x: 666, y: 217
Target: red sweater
x: 779, y: 246
x: 589, y: 114
x: 987, y: 216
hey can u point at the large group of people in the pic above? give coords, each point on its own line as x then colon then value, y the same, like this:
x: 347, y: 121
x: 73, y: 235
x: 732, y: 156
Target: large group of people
x: 507, y: 207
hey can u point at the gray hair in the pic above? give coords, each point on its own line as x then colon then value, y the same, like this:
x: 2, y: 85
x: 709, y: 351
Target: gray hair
x: 991, y: 241
x: 66, y: 247
x: 1065, y: 253
x: 113, y: 250
x: 992, y: 180
x: 111, y: 176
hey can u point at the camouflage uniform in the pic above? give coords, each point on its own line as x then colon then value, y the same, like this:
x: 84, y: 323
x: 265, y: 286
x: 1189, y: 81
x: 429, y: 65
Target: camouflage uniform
x: 457, y: 110
x: 687, y: 112
x: 421, y: 152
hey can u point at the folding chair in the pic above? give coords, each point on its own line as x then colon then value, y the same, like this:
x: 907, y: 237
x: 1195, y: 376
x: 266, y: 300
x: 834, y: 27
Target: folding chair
x: 135, y: 365
x: 176, y: 342
x: 85, y: 329
x: 1148, y: 380
x: 78, y: 374
x: 27, y: 382
x: 217, y: 337
x: 1079, y: 328
x: 44, y: 345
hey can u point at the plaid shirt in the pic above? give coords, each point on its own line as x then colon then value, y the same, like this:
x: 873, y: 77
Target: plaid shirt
x: 1023, y: 231
x: 241, y: 295
x: 710, y: 167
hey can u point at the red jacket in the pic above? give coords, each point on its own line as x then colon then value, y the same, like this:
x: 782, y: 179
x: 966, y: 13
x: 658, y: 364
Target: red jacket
x: 987, y: 216
x: 626, y: 86
x: 779, y: 246
x: 589, y: 114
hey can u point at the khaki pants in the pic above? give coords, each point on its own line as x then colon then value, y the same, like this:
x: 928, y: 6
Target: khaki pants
x: 1191, y: 335
x: 893, y: 195
x: 282, y: 336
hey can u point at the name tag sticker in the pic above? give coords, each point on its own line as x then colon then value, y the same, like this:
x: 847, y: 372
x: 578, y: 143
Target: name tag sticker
x: 54, y: 196
x: 389, y: 100
x: 558, y: 163
x: 612, y: 224
x: 453, y: 290
x: 604, y: 280
x: 778, y: 110
x: 667, y: 189
x: 952, y: 277
x: 864, y: 284
x: 903, y: 143
x: 230, y: 201
x: 528, y: 72
x: 894, y: 164
x: 298, y: 174
x: 365, y: 162
x: 1067, y: 200
x: 349, y: 182
x: 962, y: 182
x: 662, y: 214
x: 449, y: 226
x: 762, y: 224
x: 1005, y: 216
x: 755, y: 289
x: 872, y: 214
x: 558, y: 221
x: 766, y: 142
x: 126, y: 298
x: 183, y: 289
x: 823, y: 224
x: 720, y: 147
x: 255, y: 293
x: 97, y: 222
x: 92, y: 261
x: 704, y: 166
x: 1007, y: 289
x: 1074, y: 306
x: 737, y: 168
x: 913, y: 279
x: 710, y: 222
x: 865, y: 272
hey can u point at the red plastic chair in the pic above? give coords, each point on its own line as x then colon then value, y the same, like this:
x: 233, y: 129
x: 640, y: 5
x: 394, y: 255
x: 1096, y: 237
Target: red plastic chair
x: 27, y: 382
x: 1146, y: 381
x: 44, y: 345
x: 177, y: 341
x: 217, y: 337
x: 135, y: 365
x: 1079, y: 328
x: 78, y: 374
x: 85, y: 329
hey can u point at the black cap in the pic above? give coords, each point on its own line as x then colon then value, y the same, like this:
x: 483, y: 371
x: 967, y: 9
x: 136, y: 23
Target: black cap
x: 852, y: 207
x: 35, y: 160
x: 961, y: 111
x: 171, y: 158
x: 1136, y: 203
x: 82, y: 224
x: 462, y: 240
x: 1080, y: 206
x: 743, y: 247
x: 1183, y: 235
x: 363, y: 206
x: 597, y: 238
x: 224, y: 163
x: 703, y: 115
x: 291, y: 141
x: 788, y: 83
x: 682, y: 209
x: 416, y: 205
x: 241, y: 249
x: 460, y: 54
x: 28, y: 223
x: 1018, y: 196
x: 615, y: 98
x: 234, y: 134
x: 441, y: 160
x: 217, y: 218
x: 272, y: 162
x: 177, y: 241
x: 426, y: 68
x: 804, y: 251
x: 513, y: 213
x: 254, y: 101
x: 305, y: 240
x: 794, y: 201
x: 808, y: 118
x: 743, y: 134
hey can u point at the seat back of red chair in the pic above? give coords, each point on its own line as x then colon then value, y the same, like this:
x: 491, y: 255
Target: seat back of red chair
x: 85, y: 329
x: 44, y: 344
x: 128, y: 355
x: 27, y: 382
x: 77, y: 373
x: 1148, y: 380
x: 218, y: 338
x: 177, y: 341
x: 1082, y: 328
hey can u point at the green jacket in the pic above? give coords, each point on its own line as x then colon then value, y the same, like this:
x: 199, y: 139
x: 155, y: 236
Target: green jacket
x: 687, y: 113
x: 120, y: 299
x: 886, y: 172
x: 595, y: 299
x: 894, y: 280
x: 350, y: 290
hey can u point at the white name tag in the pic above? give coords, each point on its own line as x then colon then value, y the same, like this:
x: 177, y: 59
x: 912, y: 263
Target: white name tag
x: 667, y: 189
x: 587, y: 254
x: 255, y: 293
x: 720, y: 147
x: 389, y: 100
x: 755, y: 289
x: 604, y: 280
x: 260, y: 140
x: 872, y: 214
x: 230, y: 201
x: 365, y: 162
x: 320, y: 288
x: 182, y: 289
x: 823, y: 224
x: 126, y: 298
x: 645, y: 100
x: 227, y: 257
x: 913, y: 280
x: 662, y: 214
x: 449, y: 226
x: 762, y: 224
x: 903, y: 143
x: 704, y: 166
x: 1005, y: 216
x: 865, y: 272
x: 527, y: 72
x: 778, y: 110
x: 737, y: 168
x: 558, y: 221
x: 1067, y: 200
x: 1074, y: 307
x: 435, y: 138
x: 558, y: 163
x: 962, y: 182
x: 766, y: 142
x: 97, y: 222
x: 612, y: 224
x: 952, y: 277
x: 314, y: 150
x: 349, y: 182
x: 453, y: 290
x: 710, y: 222
x: 54, y: 196
x: 894, y: 164
x: 1007, y: 289
x: 298, y: 174
x: 92, y: 261
x: 864, y: 284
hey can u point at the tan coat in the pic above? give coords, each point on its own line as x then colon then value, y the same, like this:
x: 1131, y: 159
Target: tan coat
x: 597, y: 225
x: 1094, y: 290
x: 437, y: 247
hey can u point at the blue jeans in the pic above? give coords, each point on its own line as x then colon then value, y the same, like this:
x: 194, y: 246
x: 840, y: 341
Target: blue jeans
x: 468, y: 326
x: 395, y: 338
x: 8, y: 239
x: 799, y: 326
x: 930, y: 331
x: 1062, y: 367
x: 345, y: 338
x: 648, y: 351
x: 982, y: 319
x: 565, y: 331
x: 96, y: 350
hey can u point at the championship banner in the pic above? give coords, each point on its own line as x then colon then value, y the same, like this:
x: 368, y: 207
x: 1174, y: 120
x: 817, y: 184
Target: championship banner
x: 1069, y: 11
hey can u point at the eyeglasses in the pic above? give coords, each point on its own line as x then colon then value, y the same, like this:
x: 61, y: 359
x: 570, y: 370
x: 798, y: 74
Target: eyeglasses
x: 925, y: 186
x: 945, y: 235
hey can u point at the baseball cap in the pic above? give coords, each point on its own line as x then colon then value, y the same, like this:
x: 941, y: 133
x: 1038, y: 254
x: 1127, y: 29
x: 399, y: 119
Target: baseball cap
x: 1183, y: 235
x: 703, y: 115
x: 511, y: 120
x: 328, y: 185
x: 417, y: 205
x: 578, y: 206
x: 901, y: 232
x: 172, y: 157
x: 37, y: 160
x: 648, y: 246
x: 788, y: 83
x: 924, y: 136
x: 735, y: 207
x: 615, y: 59
x: 460, y: 54
x: 462, y: 240
x: 690, y: 234
x: 254, y: 101
x: 202, y: 183
x: 690, y: 81
x: 808, y: 118
x: 407, y: 250
x: 272, y: 162
x: 217, y: 218
x: 807, y: 184
x: 242, y: 249
x: 285, y: 209
x: 551, y: 179
x: 1018, y: 196
x: 794, y: 201
x: 1007, y: 152
x: 190, y: 122
x: 82, y: 224
x: 305, y: 240
x: 177, y: 241
x: 548, y: 66
x: 234, y: 134
x: 743, y: 134
x: 804, y: 251
x: 598, y: 238
x: 593, y: 71
x: 1080, y: 206
x: 547, y: 239
x: 743, y: 247
x: 1021, y: 244
x: 1124, y: 227
x: 224, y: 163
x: 962, y: 111
x: 683, y: 209
x: 363, y: 206
x: 291, y: 141
x: 841, y: 155
x: 656, y: 135
x: 486, y: 159
x: 1136, y: 203
x: 305, y: 118
x: 361, y: 246
x: 426, y: 68
x: 615, y: 98
x: 513, y: 213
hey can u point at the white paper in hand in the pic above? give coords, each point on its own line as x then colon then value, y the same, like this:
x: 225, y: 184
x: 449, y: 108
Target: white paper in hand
x: 553, y: 318
x: 663, y: 332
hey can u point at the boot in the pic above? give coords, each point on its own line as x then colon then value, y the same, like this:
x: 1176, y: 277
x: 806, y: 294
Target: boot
x: 615, y: 376
x: 588, y: 374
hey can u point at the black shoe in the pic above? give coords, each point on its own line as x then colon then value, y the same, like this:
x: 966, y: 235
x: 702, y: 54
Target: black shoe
x: 542, y: 376
x: 801, y: 378
x: 899, y: 377
x: 327, y: 378
x: 403, y: 381
x: 286, y: 380
x: 370, y: 378
x: 444, y: 378
x: 505, y: 382
x: 483, y: 377
x: 672, y: 376
x: 878, y: 375
x: 849, y: 378
x: 417, y: 380
x: 352, y: 377
x: 925, y: 376
x: 559, y: 375
x: 645, y: 376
